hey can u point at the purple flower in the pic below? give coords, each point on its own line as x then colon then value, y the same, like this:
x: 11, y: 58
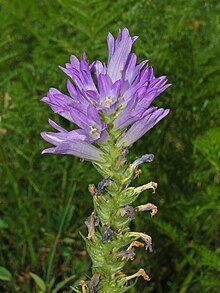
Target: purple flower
x: 73, y: 142
x: 101, y: 185
x: 146, y: 238
x: 141, y: 160
x: 140, y: 127
x: 127, y: 253
x: 93, y: 285
x: 119, y: 50
x: 103, y: 99
x: 80, y: 72
x: 108, y: 233
x: 127, y: 211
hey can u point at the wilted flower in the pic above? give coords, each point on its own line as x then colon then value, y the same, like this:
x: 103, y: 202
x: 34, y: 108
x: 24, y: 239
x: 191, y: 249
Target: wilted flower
x: 146, y: 238
x: 127, y: 253
x: 142, y: 273
x: 102, y: 184
x: 147, y: 207
x: 152, y: 185
x: 93, y: 285
x: 108, y: 233
x: 91, y: 222
x: 135, y: 244
x: 127, y: 211
x: 141, y: 160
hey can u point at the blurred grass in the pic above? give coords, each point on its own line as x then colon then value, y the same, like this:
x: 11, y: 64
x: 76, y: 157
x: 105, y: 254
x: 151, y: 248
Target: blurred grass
x: 181, y: 41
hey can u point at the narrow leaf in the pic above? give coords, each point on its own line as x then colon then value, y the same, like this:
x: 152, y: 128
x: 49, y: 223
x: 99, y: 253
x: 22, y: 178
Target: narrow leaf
x: 5, y: 275
x: 39, y: 282
x: 62, y: 284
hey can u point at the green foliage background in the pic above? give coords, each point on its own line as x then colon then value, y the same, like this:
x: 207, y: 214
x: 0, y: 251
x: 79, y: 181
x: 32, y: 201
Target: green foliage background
x: 44, y: 199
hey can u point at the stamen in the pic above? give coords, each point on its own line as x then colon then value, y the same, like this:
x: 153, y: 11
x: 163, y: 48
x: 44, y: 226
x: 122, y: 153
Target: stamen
x: 108, y: 102
x: 94, y: 130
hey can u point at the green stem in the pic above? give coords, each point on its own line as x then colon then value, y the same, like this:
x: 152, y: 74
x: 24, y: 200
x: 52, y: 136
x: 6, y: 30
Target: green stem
x: 23, y: 219
x: 60, y: 229
x: 27, y: 235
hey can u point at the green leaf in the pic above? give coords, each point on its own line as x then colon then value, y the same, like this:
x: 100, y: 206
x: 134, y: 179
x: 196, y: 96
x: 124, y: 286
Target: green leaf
x: 5, y: 275
x: 39, y: 282
x: 51, y: 283
x: 168, y: 229
x: 187, y: 282
x: 208, y: 144
x: 75, y: 290
x: 3, y: 224
x: 208, y: 257
x: 68, y: 240
x: 62, y: 284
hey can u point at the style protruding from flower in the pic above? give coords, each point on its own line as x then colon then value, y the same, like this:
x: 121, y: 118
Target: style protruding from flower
x: 103, y: 96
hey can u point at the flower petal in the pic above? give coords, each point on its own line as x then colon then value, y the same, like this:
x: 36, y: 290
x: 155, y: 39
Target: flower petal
x: 139, y: 128
x: 81, y: 149
x: 118, y: 59
x: 56, y: 126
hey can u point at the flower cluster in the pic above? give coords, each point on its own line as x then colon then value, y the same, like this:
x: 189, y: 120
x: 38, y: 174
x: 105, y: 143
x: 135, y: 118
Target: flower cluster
x: 115, y: 96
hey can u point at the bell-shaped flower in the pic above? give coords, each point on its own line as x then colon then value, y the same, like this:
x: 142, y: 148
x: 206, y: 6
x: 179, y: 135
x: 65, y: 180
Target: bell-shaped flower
x: 88, y: 119
x: 140, y: 127
x: 80, y: 73
x: 119, y: 51
x: 75, y: 142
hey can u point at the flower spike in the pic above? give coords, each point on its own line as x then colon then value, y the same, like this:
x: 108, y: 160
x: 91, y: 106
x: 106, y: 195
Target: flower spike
x: 109, y: 107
